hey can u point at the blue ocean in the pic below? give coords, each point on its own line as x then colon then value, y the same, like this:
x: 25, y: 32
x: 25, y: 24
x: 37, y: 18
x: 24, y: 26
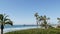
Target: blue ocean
x: 19, y: 26
x: 8, y: 28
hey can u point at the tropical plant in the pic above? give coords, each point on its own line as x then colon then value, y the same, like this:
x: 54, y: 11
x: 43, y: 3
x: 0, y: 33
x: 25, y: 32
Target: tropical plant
x: 44, y: 19
x: 4, y: 20
x: 36, y: 15
x: 58, y: 22
x: 41, y: 18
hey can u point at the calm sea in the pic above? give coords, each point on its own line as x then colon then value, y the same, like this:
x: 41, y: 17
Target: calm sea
x: 19, y: 26
x: 8, y: 28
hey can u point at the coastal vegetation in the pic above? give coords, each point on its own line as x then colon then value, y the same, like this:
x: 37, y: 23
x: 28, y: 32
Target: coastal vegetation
x: 4, y: 20
x: 40, y: 20
x: 43, y: 22
x: 37, y: 31
x: 58, y: 22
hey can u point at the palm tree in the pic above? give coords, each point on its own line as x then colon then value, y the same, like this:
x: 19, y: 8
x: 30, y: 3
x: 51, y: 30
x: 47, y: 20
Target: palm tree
x: 41, y: 18
x: 58, y: 22
x: 36, y: 15
x: 58, y: 19
x: 4, y: 20
x: 44, y: 19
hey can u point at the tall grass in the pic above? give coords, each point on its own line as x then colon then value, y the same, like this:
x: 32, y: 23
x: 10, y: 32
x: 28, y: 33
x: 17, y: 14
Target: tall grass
x: 37, y: 31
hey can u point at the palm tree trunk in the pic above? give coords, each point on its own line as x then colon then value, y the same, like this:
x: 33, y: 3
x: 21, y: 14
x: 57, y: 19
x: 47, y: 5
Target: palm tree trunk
x: 2, y: 29
x: 45, y: 26
x: 37, y: 23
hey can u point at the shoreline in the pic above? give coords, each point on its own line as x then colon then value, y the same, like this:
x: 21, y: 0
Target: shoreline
x: 14, y: 29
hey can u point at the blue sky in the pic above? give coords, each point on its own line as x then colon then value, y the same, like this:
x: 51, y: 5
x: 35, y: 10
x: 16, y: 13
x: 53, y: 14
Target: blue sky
x: 22, y: 11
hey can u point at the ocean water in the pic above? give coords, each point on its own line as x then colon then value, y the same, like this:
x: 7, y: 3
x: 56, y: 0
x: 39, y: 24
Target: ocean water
x: 8, y: 28
x: 19, y: 26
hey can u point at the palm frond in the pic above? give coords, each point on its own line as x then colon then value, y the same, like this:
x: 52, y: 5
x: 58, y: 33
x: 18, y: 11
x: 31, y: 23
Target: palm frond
x: 36, y: 14
x: 1, y: 16
x: 48, y: 18
x: 9, y: 22
x: 5, y: 16
x: 44, y: 16
x: 6, y: 19
x: 58, y: 18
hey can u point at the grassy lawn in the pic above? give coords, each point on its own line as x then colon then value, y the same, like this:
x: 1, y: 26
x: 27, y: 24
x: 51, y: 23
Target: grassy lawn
x: 36, y: 31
